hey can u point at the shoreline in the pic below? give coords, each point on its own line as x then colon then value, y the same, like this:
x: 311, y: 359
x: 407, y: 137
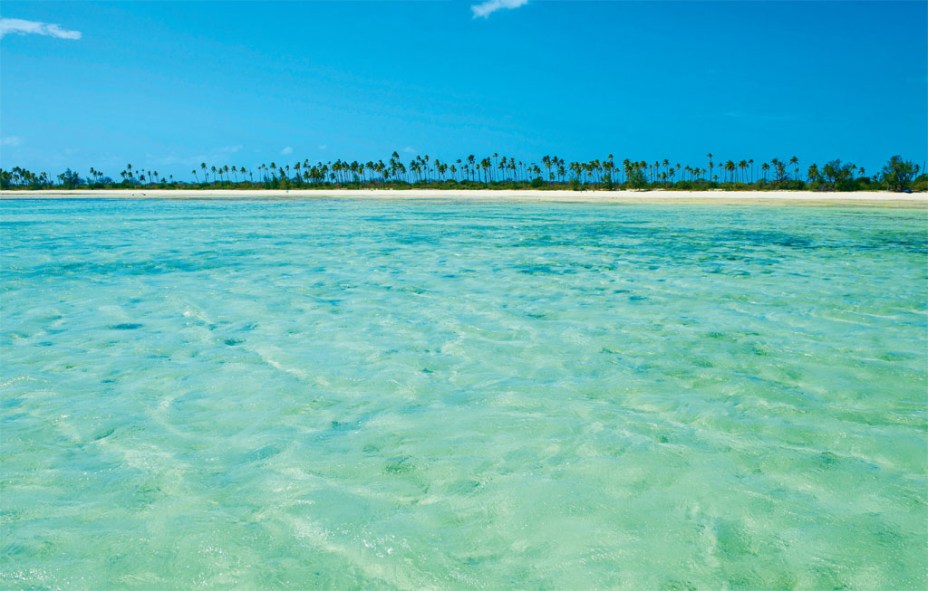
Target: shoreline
x: 875, y: 198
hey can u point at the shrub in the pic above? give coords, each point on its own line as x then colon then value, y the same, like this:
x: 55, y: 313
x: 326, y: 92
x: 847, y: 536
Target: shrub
x: 898, y: 173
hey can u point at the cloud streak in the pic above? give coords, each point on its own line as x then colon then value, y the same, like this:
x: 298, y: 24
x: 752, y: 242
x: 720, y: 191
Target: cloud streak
x: 485, y: 9
x: 18, y: 26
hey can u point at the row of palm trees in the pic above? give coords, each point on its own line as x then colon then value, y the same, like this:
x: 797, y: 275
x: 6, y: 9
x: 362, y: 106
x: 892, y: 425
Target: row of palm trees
x: 488, y: 170
x: 494, y: 171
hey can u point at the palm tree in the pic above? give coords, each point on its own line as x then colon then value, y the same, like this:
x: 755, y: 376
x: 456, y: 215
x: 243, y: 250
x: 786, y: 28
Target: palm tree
x: 813, y: 173
x: 730, y: 171
x: 780, y: 168
x: 575, y: 168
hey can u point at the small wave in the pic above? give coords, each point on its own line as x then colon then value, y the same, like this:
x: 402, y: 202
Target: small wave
x: 297, y: 373
x: 12, y: 381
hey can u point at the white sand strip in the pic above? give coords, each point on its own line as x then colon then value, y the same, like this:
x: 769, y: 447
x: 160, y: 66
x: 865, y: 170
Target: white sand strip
x: 884, y: 198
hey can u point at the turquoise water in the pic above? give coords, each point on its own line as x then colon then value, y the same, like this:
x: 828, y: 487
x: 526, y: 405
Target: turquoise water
x: 441, y: 395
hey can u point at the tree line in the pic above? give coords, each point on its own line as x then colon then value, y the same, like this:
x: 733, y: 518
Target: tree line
x: 497, y: 172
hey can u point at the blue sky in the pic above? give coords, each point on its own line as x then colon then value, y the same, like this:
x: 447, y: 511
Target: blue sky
x: 167, y: 85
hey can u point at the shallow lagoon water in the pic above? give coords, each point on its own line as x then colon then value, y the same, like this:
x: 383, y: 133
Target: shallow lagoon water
x: 378, y: 394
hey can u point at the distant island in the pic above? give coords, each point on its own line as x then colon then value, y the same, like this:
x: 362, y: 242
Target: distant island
x: 495, y: 172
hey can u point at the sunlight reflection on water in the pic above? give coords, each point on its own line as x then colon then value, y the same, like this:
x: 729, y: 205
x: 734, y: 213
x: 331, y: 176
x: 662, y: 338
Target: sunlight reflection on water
x: 341, y: 394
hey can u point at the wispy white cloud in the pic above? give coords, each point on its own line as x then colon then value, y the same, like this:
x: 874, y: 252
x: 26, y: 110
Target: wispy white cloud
x: 12, y: 141
x: 18, y: 26
x: 488, y: 7
x: 286, y: 151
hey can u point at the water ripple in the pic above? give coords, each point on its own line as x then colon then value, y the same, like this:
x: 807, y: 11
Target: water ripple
x: 342, y: 394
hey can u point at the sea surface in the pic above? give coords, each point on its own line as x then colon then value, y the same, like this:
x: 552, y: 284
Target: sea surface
x: 375, y: 394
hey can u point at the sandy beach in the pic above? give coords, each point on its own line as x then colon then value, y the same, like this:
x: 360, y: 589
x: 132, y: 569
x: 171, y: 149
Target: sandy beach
x: 876, y: 198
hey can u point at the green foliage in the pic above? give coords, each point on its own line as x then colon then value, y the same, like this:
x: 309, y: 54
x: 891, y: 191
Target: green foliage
x: 921, y: 183
x: 789, y: 185
x: 497, y: 172
x: 69, y: 179
x: 637, y: 179
x: 898, y: 173
x: 838, y: 176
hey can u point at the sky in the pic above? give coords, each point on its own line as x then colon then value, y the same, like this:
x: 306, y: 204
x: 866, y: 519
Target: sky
x: 168, y: 85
